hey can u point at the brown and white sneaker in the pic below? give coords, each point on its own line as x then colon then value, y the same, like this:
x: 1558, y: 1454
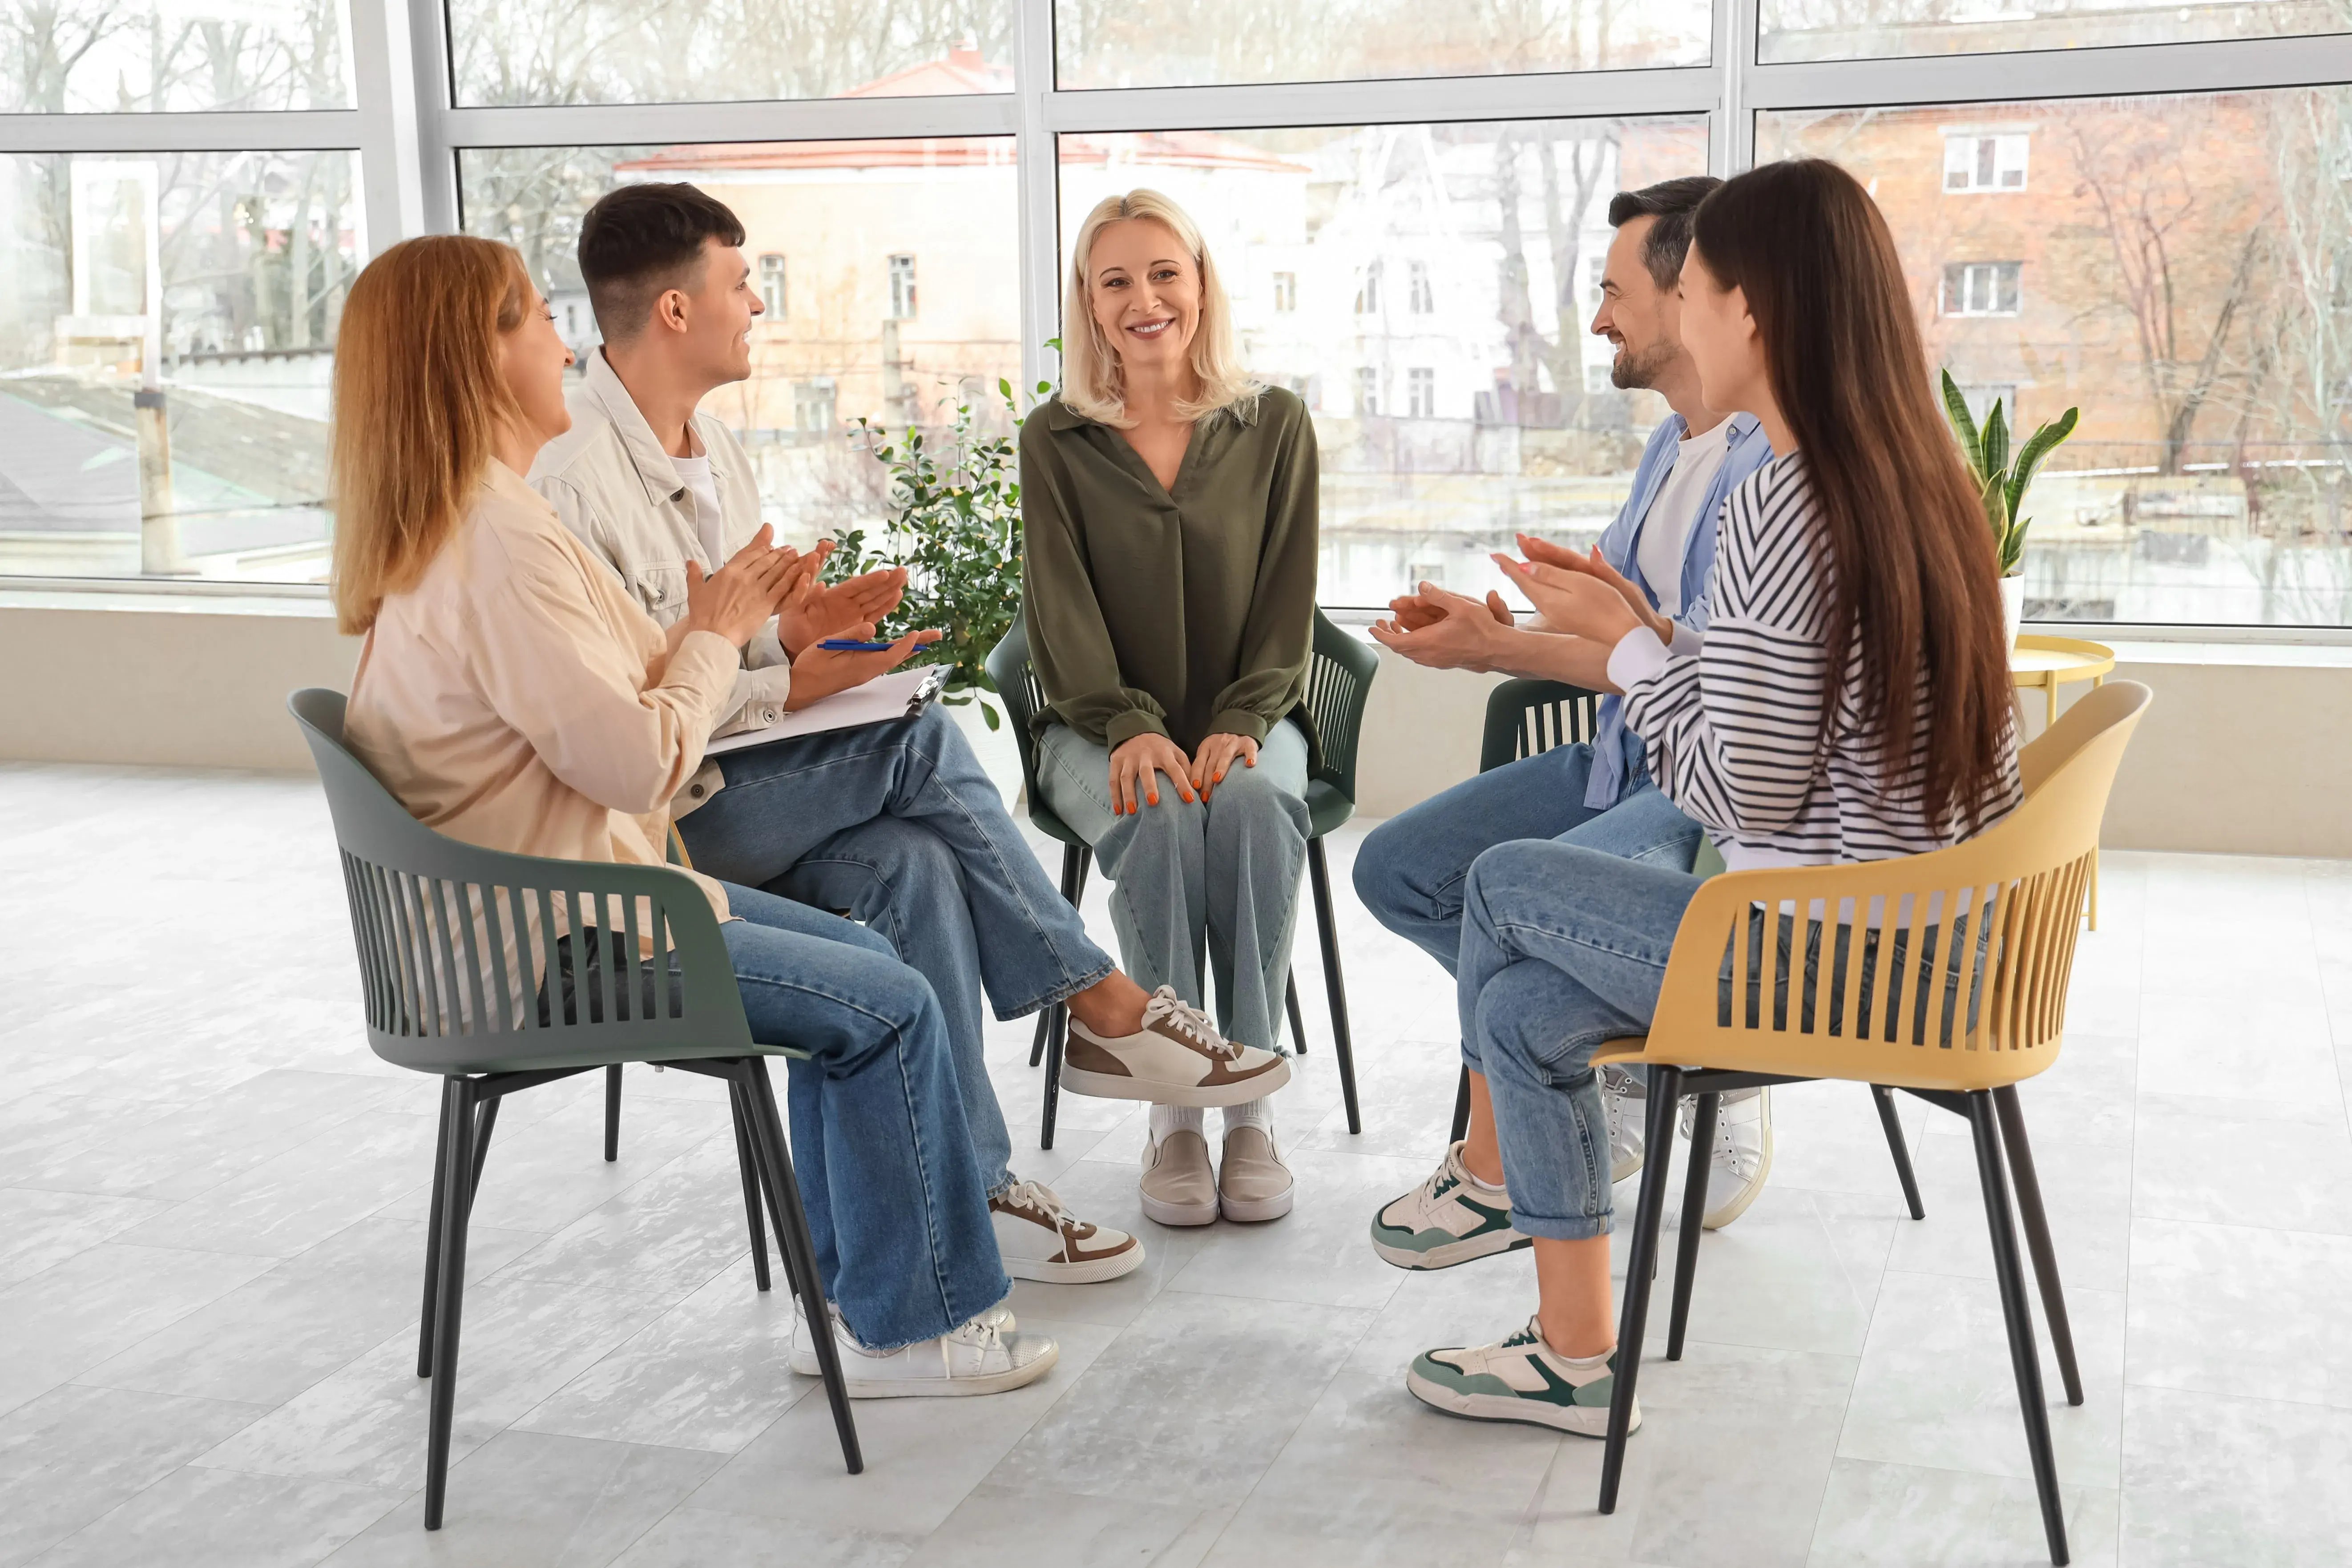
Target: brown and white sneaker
x: 1040, y: 1239
x: 1176, y: 1058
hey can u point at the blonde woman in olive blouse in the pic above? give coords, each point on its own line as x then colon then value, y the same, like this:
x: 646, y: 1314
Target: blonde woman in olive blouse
x: 1169, y: 503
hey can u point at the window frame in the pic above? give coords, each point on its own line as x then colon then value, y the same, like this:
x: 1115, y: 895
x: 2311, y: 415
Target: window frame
x: 408, y: 130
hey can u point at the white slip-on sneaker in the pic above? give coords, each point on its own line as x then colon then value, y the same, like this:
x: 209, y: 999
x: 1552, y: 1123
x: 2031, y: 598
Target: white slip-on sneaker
x: 1177, y: 1057
x: 1627, y: 1101
x: 1040, y: 1239
x: 1742, y: 1156
x: 1521, y: 1378
x: 1451, y: 1219
x: 1252, y: 1184
x: 975, y: 1358
x: 1178, y: 1187
x: 802, y: 1356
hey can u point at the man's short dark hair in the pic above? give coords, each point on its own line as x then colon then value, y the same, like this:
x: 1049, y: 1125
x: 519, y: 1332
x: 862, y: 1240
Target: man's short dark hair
x: 640, y: 240
x: 1672, y: 203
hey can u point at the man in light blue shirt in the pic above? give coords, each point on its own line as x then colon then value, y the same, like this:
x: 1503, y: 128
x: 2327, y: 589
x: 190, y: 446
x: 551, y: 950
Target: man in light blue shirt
x: 1660, y: 553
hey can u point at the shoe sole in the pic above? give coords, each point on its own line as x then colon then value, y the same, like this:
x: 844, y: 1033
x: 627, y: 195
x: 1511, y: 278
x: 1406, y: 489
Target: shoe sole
x: 1092, y: 1272
x: 1109, y: 1085
x: 942, y: 1387
x: 1160, y: 1211
x: 1579, y: 1420
x: 1453, y: 1254
x: 1255, y: 1211
x: 1738, y: 1206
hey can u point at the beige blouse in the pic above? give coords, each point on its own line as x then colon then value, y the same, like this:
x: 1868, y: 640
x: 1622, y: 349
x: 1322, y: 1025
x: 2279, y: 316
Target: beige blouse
x: 518, y: 698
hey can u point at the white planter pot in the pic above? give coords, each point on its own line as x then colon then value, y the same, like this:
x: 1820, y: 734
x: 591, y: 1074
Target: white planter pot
x: 2013, y: 607
x: 998, y: 752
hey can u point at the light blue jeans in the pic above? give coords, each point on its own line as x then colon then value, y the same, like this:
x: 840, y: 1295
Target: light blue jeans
x: 898, y: 826
x: 1200, y: 889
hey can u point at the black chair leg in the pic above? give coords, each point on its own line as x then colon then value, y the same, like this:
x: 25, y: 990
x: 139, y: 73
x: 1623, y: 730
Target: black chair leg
x: 2024, y: 1355
x: 1640, y: 1265
x: 1298, y: 1024
x: 767, y: 1186
x: 749, y: 1165
x: 433, y: 1246
x: 799, y: 1249
x: 1896, y: 1147
x: 1075, y: 859
x: 1693, y: 1217
x: 455, y: 1180
x: 488, y: 1119
x: 1461, y: 1109
x: 612, y: 1112
x: 2037, y: 1236
x: 1054, y: 1043
x: 1319, y: 870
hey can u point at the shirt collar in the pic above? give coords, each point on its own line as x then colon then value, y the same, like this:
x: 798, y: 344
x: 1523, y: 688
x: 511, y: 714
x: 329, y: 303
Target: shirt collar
x: 1060, y: 415
x: 653, y: 468
x: 508, y: 485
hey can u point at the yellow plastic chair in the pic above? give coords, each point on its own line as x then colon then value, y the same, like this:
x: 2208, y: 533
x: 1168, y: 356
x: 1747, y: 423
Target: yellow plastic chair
x: 1957, y: 1006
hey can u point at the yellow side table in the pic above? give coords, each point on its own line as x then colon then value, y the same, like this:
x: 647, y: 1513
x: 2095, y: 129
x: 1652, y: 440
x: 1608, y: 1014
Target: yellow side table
x: 2045, y: 664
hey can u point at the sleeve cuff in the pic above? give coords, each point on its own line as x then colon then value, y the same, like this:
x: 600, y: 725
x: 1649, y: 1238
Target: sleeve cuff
x: 1126, y: 726
x: 1235, y: 721
x: 1688, y: 641
x: 1638, y: 655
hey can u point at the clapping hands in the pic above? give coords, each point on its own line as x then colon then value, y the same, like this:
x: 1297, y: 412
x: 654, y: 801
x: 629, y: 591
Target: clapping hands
x: 1446, y: 631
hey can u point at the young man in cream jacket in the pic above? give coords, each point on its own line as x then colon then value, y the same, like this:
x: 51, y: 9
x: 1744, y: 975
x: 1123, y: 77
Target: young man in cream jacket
x: 896, y: 824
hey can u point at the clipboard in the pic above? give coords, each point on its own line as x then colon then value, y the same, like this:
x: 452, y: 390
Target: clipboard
x: 884, y: 699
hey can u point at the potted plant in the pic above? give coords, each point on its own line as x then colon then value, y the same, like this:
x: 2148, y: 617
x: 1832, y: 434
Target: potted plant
x: 954, y: 522
x: 2001, y: 480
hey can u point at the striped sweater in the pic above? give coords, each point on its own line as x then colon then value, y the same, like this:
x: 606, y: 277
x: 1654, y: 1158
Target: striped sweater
x: 1733, y: 732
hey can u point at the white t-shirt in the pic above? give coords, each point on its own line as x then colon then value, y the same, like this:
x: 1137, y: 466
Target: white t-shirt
x: 708, y: 525
x: 1675, y: 509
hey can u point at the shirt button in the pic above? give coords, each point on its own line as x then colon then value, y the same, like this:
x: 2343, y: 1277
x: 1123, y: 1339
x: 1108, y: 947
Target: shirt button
x: 695, y: 792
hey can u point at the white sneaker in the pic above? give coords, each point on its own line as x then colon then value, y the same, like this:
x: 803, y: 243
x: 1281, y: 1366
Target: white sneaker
x: 1522, y: 1379
x: 1451, y: 1219
x: 976, y: 1358
x: 1039, y: 1239
x: 1627, y: 1102
x: 1742, y: 1156
x: 1176, y: 1058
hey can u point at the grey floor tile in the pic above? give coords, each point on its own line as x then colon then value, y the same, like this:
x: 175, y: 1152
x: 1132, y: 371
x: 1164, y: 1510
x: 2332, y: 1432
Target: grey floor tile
x: 38, y: 1229
x: 527, y: 1499
x: 2201, y: 1294
x: 98, y: 1303
x: 1317, y: 1253
x: 993, y: 1528
x: 293, y: 1202
x: 668, y: 1234
x: 2225, y: 1163
x: 699, y: 1538
x: 226, y: 1519
x: 2211, y: 1478
x: 1905, y: 1516
x: 75, y: 1454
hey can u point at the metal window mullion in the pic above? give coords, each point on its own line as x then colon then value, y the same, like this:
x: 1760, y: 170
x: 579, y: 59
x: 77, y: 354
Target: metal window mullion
x: 1682, y: 90
x: 1040, y: 191
x: 783, y: 120
x: 435, y: 160
x: 243, y: 130
x: 2233, y: 64
x: 391, y: 193
x: 1731, y: 130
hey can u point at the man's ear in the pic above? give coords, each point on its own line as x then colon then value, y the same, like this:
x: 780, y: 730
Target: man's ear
x: 670, y: 310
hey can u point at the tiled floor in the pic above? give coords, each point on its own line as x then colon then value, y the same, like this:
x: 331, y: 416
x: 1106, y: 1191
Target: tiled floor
x: 211, y: 1219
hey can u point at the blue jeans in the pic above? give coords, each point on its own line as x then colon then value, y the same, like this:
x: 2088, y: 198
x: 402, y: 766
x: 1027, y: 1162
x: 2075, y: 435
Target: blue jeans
x: 1411, y: 871
x: 1215, y: 880
x: 897, y: 1205
x: 897, y: 826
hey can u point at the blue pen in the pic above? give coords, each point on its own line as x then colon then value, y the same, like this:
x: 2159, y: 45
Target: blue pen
x: 851, y: 645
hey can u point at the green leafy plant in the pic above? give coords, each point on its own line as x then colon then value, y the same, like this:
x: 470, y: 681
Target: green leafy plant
x: 2001, y: 481
x: 955, y: 524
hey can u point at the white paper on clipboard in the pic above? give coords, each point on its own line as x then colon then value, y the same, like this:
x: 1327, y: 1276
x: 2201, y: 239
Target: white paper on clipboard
x: 900, y: 694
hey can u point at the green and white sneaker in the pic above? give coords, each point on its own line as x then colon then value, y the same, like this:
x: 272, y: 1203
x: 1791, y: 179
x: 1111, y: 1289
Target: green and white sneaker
x: 1451, y: 1219
x: 1521, y: 1380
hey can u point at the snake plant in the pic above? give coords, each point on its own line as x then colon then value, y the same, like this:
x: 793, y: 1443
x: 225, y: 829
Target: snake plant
x: 2001, y: 478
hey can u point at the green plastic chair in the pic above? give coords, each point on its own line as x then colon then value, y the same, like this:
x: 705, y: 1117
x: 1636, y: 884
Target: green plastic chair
x: 1339, y: 682
x: 432, y: 919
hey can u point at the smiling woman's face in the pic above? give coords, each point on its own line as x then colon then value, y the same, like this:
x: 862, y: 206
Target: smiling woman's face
x: 1146, y: 289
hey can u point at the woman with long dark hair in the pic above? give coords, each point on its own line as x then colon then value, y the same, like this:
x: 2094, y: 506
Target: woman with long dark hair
x: 1851, y: 703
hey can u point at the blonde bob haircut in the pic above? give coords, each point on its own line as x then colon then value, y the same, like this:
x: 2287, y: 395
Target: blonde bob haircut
x: 1094, y: 382
x: 419, y: 399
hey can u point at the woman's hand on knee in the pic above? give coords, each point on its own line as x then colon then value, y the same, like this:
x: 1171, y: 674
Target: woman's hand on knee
x: 1218, y: 753
x: 1133, y: 770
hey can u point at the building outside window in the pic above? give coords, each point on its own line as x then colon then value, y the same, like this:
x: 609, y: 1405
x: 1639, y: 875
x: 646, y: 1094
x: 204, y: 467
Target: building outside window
x: 1982, y: 288
x: 1978, y: 162
x: 771, y: 285
x: 902, y: 287
x: 1285, y: 292
x: 1367, y: 391
x: 1368, y: 292
x: 814, y: 410
x: 1423, y: 301
x: 1421, y: 392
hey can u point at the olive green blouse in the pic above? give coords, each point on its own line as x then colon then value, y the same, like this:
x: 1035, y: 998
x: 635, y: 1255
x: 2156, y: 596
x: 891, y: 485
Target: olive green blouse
x: 1188, y: 611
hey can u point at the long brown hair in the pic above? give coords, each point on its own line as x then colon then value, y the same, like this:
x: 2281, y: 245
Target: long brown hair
x: 419, y: 399
x: 1913, y: 584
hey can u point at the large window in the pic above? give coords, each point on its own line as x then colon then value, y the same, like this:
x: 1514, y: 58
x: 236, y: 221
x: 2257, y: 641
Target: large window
x: 2180, y: 268
x: 2140, y: 210
x: 845, y: 342
x: 1431, y: 312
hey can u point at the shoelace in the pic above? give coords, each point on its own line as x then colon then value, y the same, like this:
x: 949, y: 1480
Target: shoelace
x: 1166, y: 1006
x: 1039, y: 1196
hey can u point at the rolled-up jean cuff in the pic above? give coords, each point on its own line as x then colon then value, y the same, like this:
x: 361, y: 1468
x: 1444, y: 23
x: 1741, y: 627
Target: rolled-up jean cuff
x: 1058, y: 994
x: 1571, y: 1227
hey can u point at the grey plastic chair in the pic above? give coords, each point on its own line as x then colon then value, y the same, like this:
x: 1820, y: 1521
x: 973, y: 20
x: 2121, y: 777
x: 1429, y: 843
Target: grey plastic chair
x: 432, y: 920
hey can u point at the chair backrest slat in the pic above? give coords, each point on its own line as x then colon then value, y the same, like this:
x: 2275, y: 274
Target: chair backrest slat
x: 1527, y: 717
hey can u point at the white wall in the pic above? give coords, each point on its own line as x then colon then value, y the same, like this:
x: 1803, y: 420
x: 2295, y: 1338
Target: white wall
x: 2247, y: 748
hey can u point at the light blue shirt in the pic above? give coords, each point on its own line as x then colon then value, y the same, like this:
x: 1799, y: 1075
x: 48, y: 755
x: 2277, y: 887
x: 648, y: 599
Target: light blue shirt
x: 1617, y: 753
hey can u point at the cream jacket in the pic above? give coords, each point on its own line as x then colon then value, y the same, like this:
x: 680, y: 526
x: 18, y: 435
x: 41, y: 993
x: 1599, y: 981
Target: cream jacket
x: 610, y: 481
x: 518, y: 698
